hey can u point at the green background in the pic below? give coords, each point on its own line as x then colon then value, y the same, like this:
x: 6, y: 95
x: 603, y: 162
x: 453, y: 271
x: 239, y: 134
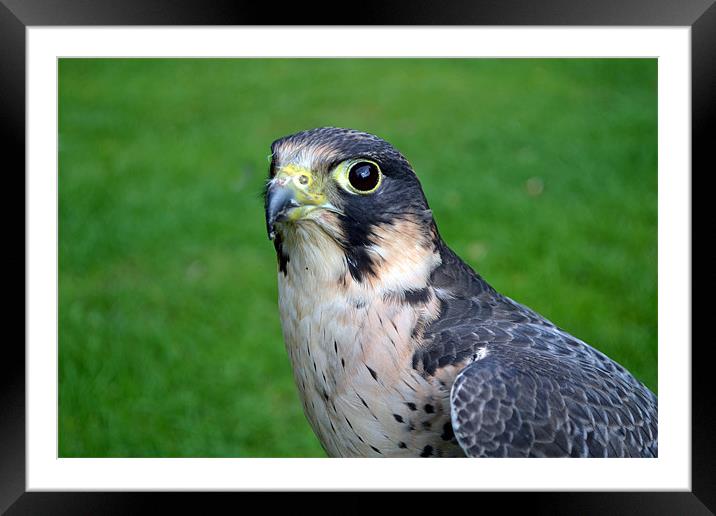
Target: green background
x: 542, y: 175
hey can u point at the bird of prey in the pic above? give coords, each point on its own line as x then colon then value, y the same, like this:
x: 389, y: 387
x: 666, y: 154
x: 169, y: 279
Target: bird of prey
x: 400, y: 349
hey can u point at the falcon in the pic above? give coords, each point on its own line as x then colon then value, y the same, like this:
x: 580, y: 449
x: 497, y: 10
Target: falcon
x: 400, y: 349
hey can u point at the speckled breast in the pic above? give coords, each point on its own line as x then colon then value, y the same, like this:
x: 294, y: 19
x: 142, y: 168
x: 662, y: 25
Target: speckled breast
x: 352, y: 363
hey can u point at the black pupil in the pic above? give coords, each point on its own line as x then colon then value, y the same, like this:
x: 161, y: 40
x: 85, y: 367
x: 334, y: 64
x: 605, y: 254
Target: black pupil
x: 364, y: 176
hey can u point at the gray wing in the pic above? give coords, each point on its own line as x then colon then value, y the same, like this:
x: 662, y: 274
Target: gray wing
x: 526, y: 387
x: 541, y: 393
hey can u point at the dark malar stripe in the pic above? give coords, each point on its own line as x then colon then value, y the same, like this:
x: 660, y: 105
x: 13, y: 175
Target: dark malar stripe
x: 281, y: 256
x: 360, y: 264
x: 356, y: 229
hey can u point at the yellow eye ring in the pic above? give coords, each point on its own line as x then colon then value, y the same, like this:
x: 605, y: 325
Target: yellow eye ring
x: 359, y: 176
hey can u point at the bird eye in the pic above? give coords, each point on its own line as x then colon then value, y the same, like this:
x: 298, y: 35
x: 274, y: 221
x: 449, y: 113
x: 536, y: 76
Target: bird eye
x: 364, y: 176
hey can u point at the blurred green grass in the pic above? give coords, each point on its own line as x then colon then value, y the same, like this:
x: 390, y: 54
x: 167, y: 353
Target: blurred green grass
x: 542, y: 174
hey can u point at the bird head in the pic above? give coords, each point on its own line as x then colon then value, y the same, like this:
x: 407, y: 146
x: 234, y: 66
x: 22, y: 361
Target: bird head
x: 348, y: 190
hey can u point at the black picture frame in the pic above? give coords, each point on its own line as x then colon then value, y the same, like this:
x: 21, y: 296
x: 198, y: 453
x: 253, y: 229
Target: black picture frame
x: 700, y: 15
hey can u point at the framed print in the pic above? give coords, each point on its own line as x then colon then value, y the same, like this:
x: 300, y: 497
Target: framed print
x: 153, y: 358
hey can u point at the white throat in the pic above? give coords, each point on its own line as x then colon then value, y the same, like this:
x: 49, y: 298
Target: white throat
x: 351, y: 343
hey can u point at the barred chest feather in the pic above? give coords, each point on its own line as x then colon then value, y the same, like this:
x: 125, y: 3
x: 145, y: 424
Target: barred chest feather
x: 351, y: 346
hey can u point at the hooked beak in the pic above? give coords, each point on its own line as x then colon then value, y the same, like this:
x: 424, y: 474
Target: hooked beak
x: 280, y: 198
x: 293, y: 195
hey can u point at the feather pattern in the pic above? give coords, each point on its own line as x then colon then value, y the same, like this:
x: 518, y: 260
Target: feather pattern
x: 527, y: 388
x: 400, y: 349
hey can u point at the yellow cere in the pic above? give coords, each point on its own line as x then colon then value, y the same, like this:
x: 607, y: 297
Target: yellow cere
x: 309, y: 193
